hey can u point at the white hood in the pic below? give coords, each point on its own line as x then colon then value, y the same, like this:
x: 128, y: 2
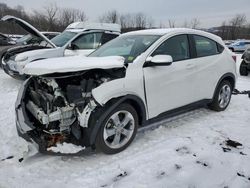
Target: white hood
x: 72, y: 64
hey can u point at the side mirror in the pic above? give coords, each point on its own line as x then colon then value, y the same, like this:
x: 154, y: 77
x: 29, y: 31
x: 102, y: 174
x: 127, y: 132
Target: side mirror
x: 73, y: 46
x: 159, y: 60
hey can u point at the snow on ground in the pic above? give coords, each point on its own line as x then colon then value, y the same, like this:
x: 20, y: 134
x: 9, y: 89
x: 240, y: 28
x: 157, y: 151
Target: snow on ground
x: 188, y: 151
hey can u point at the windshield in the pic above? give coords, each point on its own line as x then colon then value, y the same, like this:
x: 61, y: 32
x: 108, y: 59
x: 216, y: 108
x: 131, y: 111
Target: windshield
x: 128, y: 46
x: 63, y: 38
x: 23, y: 39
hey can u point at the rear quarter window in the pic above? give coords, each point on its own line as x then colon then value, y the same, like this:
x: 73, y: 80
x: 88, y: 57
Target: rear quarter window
x: 206, y: 47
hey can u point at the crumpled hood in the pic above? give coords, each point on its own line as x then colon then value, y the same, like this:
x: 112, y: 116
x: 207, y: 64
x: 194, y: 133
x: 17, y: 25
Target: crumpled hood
x: 72, y: 64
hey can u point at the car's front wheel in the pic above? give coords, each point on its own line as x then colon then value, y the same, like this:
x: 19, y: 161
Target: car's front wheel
x: 118, y: 129
x: 222, y: 96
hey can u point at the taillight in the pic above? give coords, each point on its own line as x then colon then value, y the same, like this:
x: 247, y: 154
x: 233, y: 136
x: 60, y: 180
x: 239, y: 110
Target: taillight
x: 234, y: 58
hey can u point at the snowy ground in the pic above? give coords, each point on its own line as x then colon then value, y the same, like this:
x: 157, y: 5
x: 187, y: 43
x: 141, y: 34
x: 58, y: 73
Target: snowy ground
x: 184, y: 152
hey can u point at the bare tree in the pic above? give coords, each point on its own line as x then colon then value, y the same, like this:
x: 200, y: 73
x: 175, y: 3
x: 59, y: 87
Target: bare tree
x: 110, y: 17
x: 140, y: 21
x: 236, y: 23
x: 186, y: 24
x: 171, y: 23
x: 195, y: 22
x: 224, y: 30
x: 51, y: 15
x: 127, y: 21
x: 161, y: 25
x: 69, y: 15
x: 39, y: 20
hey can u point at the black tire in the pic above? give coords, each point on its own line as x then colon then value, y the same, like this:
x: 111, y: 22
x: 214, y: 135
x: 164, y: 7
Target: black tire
x: 100, y: 140
x: 1, y: 65
x: 243, y: 69
x: 231, y: 49
x: 215, y: 104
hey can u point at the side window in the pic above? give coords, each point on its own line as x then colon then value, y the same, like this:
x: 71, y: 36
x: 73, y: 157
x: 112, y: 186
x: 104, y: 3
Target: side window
x: 107, y: 37
x: 88, y: 41
x: 177, y: 47
x: 205, y: 46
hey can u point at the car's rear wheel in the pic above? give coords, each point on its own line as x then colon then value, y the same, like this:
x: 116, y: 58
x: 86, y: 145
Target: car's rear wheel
x: 243, y: 69
x: 118, y: 129
x: 222, y: 96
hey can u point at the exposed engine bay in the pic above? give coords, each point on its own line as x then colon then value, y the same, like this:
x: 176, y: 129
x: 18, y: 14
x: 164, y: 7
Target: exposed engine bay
x: 59, y: 106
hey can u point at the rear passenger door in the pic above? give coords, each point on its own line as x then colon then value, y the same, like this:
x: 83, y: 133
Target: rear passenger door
x: 208, y: 66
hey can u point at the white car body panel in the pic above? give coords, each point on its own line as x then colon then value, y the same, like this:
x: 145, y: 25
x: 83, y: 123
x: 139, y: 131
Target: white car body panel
x: 204, y: 88
x: 173, y: 87
x: 132, y: 84
x: 85, y: 52
x: 72, y: 64
x: 95, y: 26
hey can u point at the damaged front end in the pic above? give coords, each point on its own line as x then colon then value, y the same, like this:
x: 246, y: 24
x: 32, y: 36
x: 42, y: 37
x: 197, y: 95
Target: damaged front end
x: 56, y: 109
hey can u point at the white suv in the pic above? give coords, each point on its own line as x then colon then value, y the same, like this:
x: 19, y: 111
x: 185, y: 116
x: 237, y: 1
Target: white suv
x: 79, y: 38
x: 133, y: 80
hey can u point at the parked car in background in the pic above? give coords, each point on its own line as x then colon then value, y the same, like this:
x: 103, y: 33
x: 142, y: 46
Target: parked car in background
x: 239, y: 45
x: 228, y: 42
x: 30, y: 39
x: 139, y: 77
x: 78, y: 39
x: 26, y: 41
x: 5, y: 40
x: 15, y: 37
x: 245, y: 64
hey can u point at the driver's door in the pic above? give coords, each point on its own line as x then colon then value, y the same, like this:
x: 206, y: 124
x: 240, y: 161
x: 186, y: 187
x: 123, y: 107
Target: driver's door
x: 84, y: 44
x: 170, y: 87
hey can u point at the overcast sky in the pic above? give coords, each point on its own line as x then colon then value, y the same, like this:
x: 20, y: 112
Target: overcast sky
x: 209, y: 12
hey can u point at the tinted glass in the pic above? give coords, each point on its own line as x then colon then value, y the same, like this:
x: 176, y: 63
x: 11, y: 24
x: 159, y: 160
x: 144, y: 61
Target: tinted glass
x: 61, y: 39
x: 205, y: 46
x: 107, y: 37
x: 177, y: 47
x: 88, y: 41
x: 127, y: 46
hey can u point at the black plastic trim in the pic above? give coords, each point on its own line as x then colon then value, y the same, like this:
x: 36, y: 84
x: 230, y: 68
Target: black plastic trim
x: 231, y: 75
x: 108, y: 109
x: 178, y: 111
x: 151, y: 64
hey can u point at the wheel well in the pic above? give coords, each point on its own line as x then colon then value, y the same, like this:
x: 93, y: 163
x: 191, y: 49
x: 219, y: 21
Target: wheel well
x: 230, y: 79
x: 137, y: 108
x: 135, y: 102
